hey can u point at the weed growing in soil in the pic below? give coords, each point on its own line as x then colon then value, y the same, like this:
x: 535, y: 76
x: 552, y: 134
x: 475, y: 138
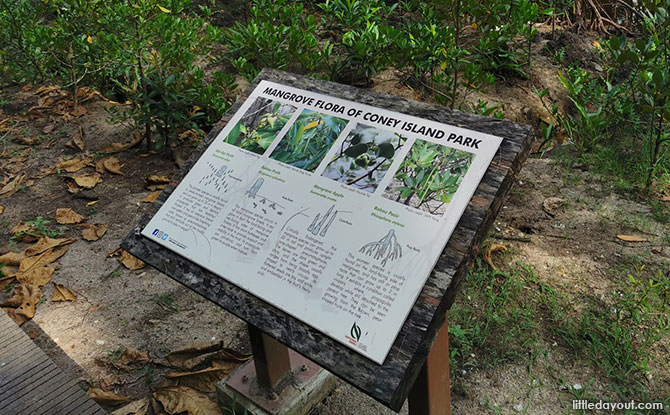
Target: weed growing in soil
x: 500, y: 322
x: 494, y: 325
x: 167, y: 302
x: 40, y: 227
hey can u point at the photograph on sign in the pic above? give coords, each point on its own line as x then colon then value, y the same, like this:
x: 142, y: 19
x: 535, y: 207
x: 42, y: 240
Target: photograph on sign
x: 308, y: 140
x: 333, y: 211
x: 259, y: 126
x: 364, y: 157
x: 429, y: 177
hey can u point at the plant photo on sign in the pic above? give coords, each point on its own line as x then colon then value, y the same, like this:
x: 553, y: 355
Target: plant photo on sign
x: 429, y: 177
x: 259, y: 126
x: 308, y: 140
x: 364, y: 157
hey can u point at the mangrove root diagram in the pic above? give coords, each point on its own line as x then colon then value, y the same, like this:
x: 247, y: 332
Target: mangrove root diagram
x: 384, y: 249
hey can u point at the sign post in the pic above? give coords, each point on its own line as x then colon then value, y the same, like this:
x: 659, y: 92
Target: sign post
x: 431, y: 393
x: 276, y: 381
x: 339, y: 222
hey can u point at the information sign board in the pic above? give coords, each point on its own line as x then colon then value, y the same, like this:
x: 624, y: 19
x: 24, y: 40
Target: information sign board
x: 332, y: 210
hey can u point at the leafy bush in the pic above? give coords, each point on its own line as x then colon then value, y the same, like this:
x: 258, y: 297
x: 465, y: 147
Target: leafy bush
x: 22, y: 32
x: 646, y: 61
x: 355, y: 14
x: 162, y: 46
x: 278, y: 35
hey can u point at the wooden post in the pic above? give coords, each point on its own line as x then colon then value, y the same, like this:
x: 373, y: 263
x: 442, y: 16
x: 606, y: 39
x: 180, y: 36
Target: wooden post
x: 431, y: 393
x: 270, y: 358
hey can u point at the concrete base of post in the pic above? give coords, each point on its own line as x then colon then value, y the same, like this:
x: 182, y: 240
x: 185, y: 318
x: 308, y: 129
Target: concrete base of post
x: 304, y: 387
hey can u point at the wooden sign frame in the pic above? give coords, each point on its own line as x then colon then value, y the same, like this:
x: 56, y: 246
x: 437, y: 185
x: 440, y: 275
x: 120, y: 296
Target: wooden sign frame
x: 391, y: 382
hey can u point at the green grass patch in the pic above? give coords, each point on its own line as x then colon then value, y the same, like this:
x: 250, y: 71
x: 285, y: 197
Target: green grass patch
x: 506, y: 316
x: 495, y: 322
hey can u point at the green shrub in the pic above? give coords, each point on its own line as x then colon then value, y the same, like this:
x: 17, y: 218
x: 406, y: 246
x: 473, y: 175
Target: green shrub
x: 163, y: 48
x: 645, y: 60
x: 22, y: 36
x: 280, y: 35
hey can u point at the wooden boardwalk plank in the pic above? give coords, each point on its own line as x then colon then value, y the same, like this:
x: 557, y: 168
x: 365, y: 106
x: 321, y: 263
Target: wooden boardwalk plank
x: 25, y: 379
x: 27, y: 395
x: 83, y: 404
x: 31, y: 383
x: 55, y: 398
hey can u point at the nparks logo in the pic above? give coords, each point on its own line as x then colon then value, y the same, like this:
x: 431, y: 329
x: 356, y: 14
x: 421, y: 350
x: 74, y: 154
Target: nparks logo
x: 355, y: 336
x: 159, y: 234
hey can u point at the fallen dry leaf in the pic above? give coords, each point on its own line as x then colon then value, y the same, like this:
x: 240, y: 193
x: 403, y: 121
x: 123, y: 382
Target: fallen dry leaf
x: 77, y: 142
x: 110, y: 164
x: 27, y: 141
x: 49, y: 127
x: 180, y: 399
x: 151, y: 197
x: 43, y: 90
x: 154, y: 182
x: 158, y: 179
x: 39, y: 276
x: 24, y: 233
x: 62, y: 293
x: 116, y: 147
x: 4, y: 281
x: 130, y: 261
x: 75, y: 164
x: 631, y: 238
x: 12, y: 258
x: 12, y: 187
x: 34, y: 269
x: 88, y: 181
x: 2, y: 209
x: 72, y: 187
x: 488, y: 252
x: 18, y: 318
x: 22, y: 302
x: 113, y: 165
x: 47, y: 243
x: 129, y: 357
x: 134, y: 408
x: 78, y: 111
x: 665, y: 199
x: 191, y: 356
x: 107, y: 398
x: 67, y: 216
x: 204, y: 380
x: 551, y: 205
x: 93, y: 231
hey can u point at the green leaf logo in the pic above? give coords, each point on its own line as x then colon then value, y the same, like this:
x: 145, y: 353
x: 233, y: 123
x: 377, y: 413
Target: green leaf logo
x: 356, y: 332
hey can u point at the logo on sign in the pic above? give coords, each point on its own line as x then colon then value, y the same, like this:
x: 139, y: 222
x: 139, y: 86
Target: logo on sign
x: 159, y: 234
x: 356, y: 332
x: 355, y: 337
